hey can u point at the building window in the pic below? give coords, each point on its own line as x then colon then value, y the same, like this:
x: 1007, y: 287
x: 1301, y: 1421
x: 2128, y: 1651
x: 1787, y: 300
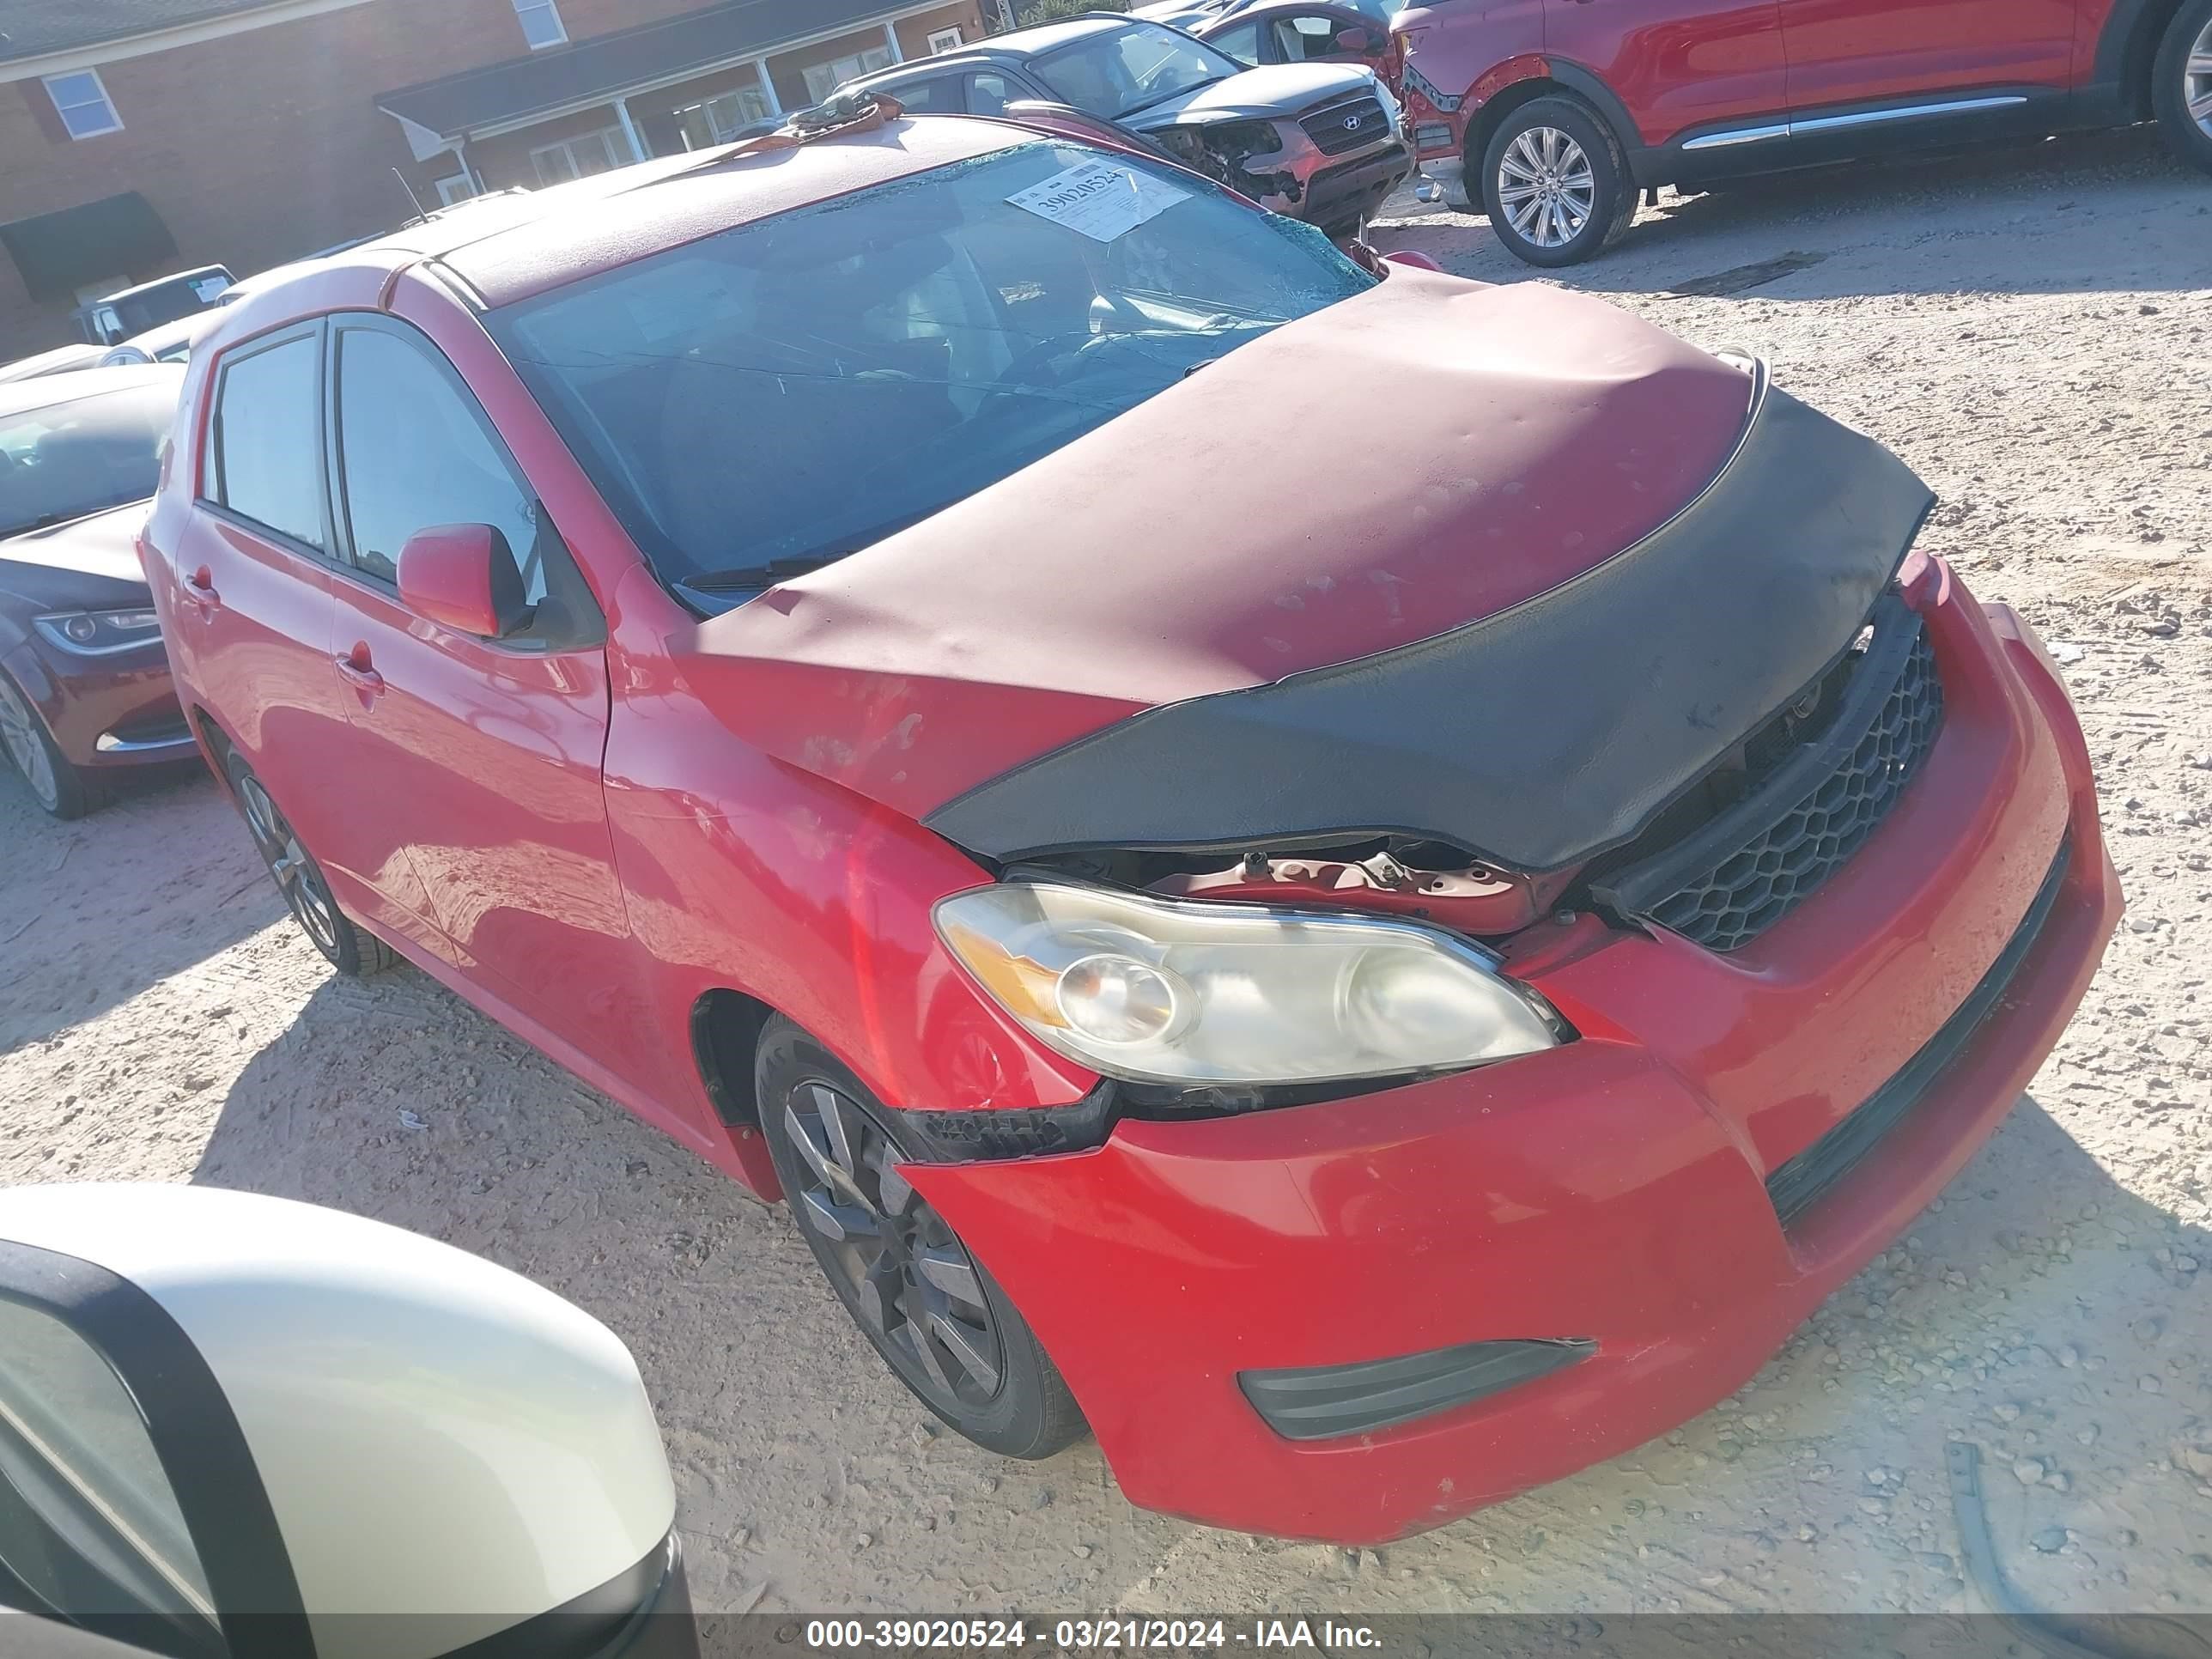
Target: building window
x: 83, y: 104
x: 580, y: 158
x: 541, y: 23
x: 458, y: 188
x: 718, y: 120
x: 944, y: 41
x: 823, y: 79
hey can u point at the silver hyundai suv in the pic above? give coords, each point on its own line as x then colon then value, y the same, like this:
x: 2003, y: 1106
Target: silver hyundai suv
x: 1319, y: 141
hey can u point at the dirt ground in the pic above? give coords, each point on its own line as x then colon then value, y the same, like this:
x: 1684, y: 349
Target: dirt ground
x: 2033, y: 331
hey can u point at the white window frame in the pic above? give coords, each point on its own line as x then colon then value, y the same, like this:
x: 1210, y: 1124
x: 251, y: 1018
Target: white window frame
x: 458, y: 187
x: 861, y: 63
x: 944, y: 41
x: 104, y: 103
x: 523, y: 9
x: 617, y: 147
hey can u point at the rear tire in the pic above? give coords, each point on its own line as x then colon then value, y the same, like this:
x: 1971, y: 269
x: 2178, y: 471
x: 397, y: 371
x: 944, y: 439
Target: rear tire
x: 939, y: 1322
x: 2181, y: 84
x: 1555, y: 183
x: 59, y: 788
x: 300, y: 879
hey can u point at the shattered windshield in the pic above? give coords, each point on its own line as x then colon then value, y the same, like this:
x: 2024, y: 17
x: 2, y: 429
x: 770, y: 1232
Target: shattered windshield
x: 768, y: 399
x: 1121, y: 72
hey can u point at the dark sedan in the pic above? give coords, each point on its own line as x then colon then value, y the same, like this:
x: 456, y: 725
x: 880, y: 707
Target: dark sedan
x: 84, y: 680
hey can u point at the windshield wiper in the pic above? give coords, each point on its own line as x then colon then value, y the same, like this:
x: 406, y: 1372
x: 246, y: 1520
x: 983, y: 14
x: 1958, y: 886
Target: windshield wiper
x: 764, y: 574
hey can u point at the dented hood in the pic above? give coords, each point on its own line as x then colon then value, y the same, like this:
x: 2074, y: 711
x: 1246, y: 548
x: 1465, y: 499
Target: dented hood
x: 1256, y: 94
x: 1357, y: 488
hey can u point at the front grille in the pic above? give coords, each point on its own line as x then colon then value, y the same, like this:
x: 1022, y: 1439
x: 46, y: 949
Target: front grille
x: 1805, y: 1179
x: 1728, y: 882
x: 1343, y: 127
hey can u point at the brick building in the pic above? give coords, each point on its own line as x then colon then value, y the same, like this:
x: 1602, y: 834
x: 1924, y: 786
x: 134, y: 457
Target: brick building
x: 141, y: 137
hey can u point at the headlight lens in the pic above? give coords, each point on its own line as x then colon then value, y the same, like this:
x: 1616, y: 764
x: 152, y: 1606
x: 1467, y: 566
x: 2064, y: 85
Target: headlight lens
x: 1193, y: 992
x: 92, y: 632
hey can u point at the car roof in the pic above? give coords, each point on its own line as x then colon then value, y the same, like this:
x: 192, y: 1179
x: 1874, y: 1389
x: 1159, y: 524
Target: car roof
x: 1044, y: 37
x: 551, y: 238
x: 19, y: 397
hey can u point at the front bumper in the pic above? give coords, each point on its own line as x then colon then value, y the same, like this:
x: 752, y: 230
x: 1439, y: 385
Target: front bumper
x: 109, y: 710
x: 1613, y: 1191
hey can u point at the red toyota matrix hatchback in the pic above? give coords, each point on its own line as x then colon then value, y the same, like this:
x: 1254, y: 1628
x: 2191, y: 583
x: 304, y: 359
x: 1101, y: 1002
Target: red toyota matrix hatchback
x: 1375, y: 987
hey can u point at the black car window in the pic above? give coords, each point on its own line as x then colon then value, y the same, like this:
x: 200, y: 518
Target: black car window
x: 799, y: 387
x: 990, y: 92
x: 936, y: 95
x: 267, y: 443
x: 80, y: 455
x: 1242, y: 42
x: 413, y: 452
x: 1310, y: 35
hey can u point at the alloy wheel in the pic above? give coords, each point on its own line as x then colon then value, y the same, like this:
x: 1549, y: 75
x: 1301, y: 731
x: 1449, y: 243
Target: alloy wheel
x: 26, y: 744
x: 2196, y: 82
x: 306, y: 893
x: 906, y: 1273
x: 1547, y: 187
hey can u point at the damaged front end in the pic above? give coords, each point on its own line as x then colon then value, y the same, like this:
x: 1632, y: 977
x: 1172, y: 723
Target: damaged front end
x: 1320, y: 142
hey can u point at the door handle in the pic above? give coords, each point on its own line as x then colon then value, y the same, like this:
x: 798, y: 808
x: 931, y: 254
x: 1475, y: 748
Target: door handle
x: 356, y: 667
x: 199, y: 590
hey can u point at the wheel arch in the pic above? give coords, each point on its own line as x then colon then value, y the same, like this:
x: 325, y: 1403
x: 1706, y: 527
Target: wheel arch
x: 2126, y: 49
x: 1561, y: 78
x: 725, y: 1033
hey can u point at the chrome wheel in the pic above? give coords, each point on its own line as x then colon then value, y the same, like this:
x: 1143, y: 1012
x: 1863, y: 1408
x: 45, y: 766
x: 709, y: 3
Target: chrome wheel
x: 24, y: 738
x: 306, y: 894
x: 2196, y: 82
x: 1547, y: 187
x: 904, y: 1272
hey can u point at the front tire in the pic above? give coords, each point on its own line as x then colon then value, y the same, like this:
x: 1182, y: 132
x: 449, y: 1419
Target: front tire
x: 58, y: 787
x: 1555, y: 184
x: 300, y: 879
x: 2181, y: 84
x: 940, y: 1322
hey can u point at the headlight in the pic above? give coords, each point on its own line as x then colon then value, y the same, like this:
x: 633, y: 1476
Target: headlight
x: 92, y: 633
x: 1241, y: 140
x: 1192, y: 992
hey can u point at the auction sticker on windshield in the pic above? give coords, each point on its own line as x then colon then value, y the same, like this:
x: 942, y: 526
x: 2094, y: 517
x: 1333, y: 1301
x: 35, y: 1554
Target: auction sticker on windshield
x: 1099, y: 199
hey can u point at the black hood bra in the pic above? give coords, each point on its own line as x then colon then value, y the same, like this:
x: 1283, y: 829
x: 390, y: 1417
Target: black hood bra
x: 1537, y: 738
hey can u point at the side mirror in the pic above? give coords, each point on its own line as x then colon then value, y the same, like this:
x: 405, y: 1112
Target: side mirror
x: 1413, y: 259
x: 234, y: 1425
x: 1355, y: 39
x: 463, y: 576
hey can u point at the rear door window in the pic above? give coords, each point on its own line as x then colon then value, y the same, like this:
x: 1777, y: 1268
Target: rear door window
x: 990, y: 92
x: 267, y: 450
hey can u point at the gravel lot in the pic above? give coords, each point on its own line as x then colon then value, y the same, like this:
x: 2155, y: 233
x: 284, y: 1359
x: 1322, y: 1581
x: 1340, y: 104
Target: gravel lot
x: 2033, y: 331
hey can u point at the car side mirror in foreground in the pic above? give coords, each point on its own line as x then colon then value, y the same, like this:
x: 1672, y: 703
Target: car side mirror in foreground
x: 1355, y: 40
x: 239, y: 1426
x: 463, y: 576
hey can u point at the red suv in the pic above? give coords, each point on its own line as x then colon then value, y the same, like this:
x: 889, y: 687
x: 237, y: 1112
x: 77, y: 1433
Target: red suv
x: 1374, y: 997
x: 1551, y: 116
